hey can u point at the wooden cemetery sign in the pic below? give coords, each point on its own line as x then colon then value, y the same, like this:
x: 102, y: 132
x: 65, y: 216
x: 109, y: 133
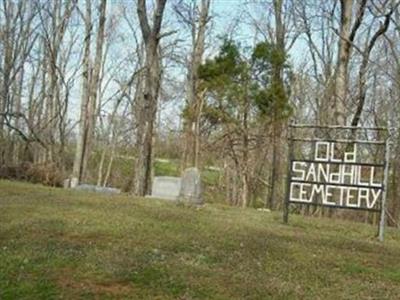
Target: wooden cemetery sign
x: 338, y: 167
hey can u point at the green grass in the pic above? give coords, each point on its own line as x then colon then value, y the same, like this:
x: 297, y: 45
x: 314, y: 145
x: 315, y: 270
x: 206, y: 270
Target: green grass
x: 58, y: 243
x: 166, y: 168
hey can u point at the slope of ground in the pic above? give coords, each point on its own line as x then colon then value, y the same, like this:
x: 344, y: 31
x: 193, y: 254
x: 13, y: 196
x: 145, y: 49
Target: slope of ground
x: 66, y: 244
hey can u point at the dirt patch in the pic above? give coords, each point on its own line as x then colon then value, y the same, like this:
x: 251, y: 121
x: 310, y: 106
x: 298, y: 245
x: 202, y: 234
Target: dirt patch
x: 96, y: 288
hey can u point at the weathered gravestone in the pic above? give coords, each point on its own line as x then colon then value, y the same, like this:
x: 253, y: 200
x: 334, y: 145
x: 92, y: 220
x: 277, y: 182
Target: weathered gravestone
x: 191, y: 187
x: 166, y: 187
x: 74, y: 182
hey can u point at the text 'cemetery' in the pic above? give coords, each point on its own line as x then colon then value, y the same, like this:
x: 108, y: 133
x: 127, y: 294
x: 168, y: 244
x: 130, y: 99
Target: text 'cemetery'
x: 335, y: 178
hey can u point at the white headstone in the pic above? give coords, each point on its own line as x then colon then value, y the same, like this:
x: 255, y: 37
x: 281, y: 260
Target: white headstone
x: 191, y: 186
x: 166, y: 187
x: 74, y: 182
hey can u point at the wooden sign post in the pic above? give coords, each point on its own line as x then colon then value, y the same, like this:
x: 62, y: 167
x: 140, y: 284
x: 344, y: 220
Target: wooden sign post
x: 334, y: 168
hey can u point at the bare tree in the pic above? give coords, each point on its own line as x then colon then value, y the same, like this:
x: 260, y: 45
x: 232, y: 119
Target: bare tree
x: 54, y: 21
x: 362, y: 73
x: 90, y: 86
x: 148, y: 107
x: 17, y: 38
x: 195, y: 17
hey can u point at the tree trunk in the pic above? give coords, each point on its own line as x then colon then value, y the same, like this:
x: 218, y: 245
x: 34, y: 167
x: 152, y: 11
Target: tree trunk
x: 273, y: 177
x: 78, y: 170
x: 341, y: 84
x: 362, y: 73
x: 95, y: 82
x: 90, y: 87
x: 278, y: 103
x: 245, y: 155
x: 194, y: 95
x: 152, y: 77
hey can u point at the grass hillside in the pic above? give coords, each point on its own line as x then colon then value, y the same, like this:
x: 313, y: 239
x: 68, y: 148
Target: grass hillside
x: 57, y: 243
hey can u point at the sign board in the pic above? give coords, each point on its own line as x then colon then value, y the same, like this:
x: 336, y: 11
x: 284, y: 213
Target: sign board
x: 336, y: 179
x: 337, y: 172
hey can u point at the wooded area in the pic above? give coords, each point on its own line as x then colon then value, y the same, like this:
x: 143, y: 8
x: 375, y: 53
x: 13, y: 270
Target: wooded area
x: 104, y: 90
